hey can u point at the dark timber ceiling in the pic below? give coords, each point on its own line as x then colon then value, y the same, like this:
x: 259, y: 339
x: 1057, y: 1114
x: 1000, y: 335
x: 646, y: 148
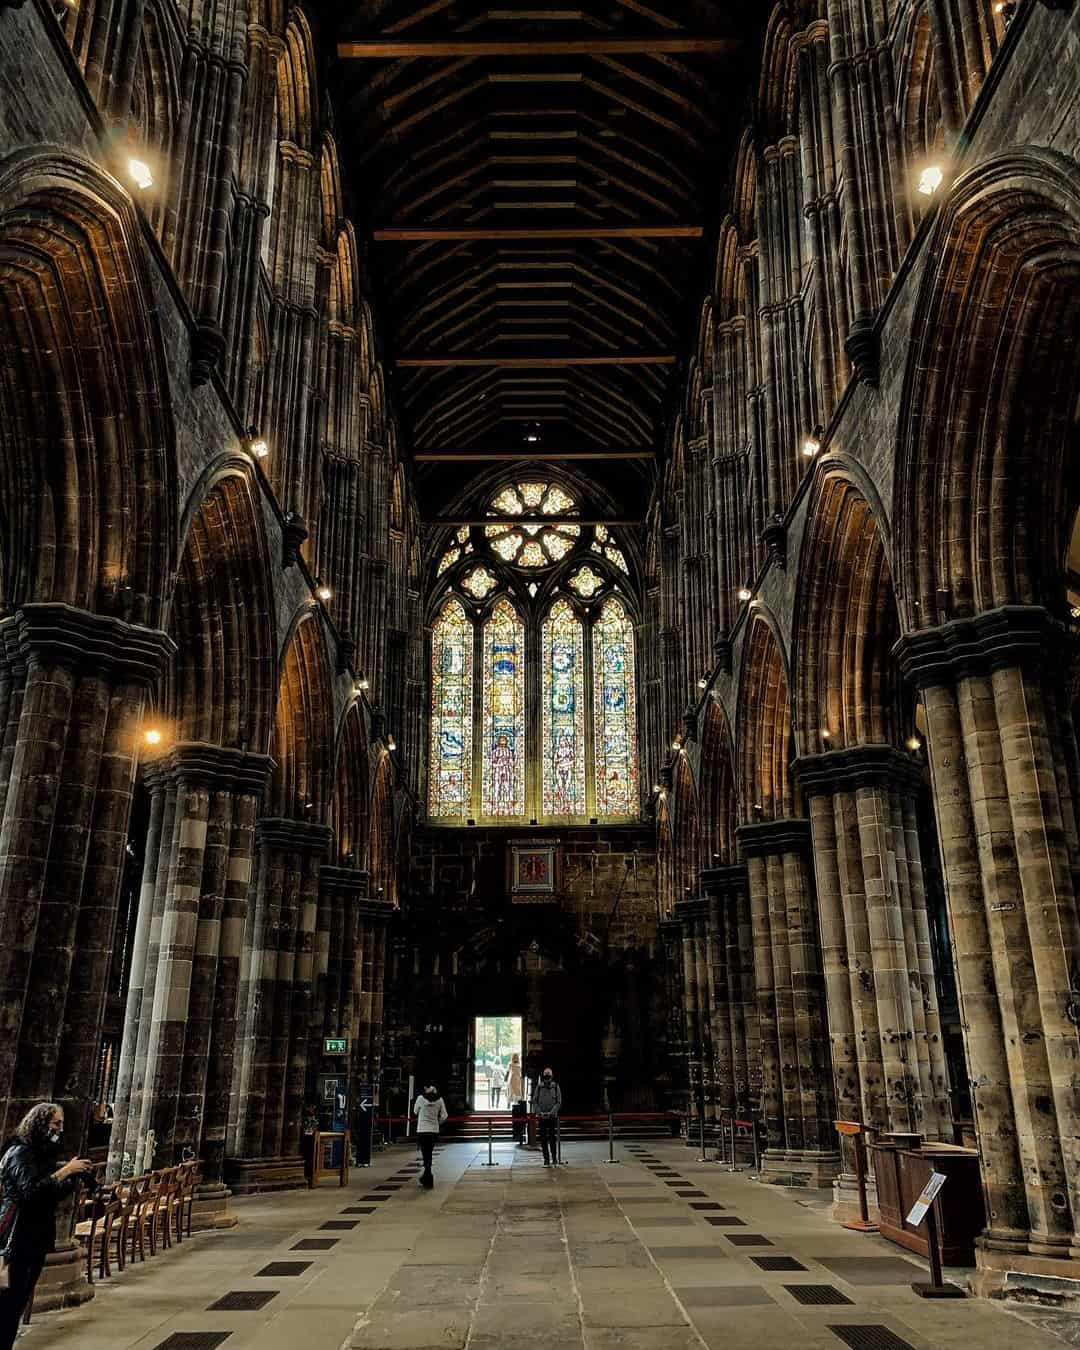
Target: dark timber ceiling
x: 539, y: 184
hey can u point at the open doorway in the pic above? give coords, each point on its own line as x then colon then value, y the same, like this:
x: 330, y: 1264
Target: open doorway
x: 497, y: 1076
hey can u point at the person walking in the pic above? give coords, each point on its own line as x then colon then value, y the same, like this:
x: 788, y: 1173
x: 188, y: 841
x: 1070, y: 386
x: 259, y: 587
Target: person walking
x: 496, y: 1085
x: 430, y: 1112
x: 32, y: 1184
x: 547, y: 1103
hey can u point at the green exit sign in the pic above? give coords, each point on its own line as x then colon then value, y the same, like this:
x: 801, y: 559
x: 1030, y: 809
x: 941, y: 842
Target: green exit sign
x: 333, y: 1046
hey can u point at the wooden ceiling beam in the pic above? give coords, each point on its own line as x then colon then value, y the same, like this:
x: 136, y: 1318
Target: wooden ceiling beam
x: 423, y: 234
x: 399, y: 49
x: 525, y: 456
x: 539, y: 362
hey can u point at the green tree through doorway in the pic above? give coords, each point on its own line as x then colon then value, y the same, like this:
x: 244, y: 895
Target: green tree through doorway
x: 496, y: 1039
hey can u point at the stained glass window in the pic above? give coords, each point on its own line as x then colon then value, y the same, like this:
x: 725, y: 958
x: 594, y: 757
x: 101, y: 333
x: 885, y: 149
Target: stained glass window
x: 586, y: 583
x: 503, y: 782
x: 450, y: 777
x: 616, y: 556
x: 448, y: 559
x: 563, y: 693
x: 614, y: 712
x: 479, y: 583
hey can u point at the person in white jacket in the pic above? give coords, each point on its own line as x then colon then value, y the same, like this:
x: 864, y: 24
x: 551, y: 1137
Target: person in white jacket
x: 430, y: 1112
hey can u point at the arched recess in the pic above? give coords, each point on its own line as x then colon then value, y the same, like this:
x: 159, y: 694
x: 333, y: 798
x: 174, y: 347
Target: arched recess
x: 847, y: 623
x: 303, y: 733
x: 985, y: 502
x: 220, y: 683
x: 350, y: 803
x: 766, y: 746
x: 716, y: 790
x: 667, y: 882
x: 87, y: 469
x: 382, y: 852
x: 687, y: 832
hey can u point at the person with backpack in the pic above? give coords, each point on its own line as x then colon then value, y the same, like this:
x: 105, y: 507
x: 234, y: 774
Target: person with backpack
x: 32, y: 1184
x: 430, y: 1112
x: 547, y: 1103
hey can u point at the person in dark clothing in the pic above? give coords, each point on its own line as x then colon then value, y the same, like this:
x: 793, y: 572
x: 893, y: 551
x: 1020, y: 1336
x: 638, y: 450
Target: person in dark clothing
x: 32, y: 1184
x: 547, y: 1103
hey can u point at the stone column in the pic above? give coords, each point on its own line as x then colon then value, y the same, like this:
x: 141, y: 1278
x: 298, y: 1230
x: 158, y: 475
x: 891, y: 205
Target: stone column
x: 182, y: 993
x: 734, y: 1016
x: 670, y: 934
x: 1001, y: 786
x: 797, y: 1094
x: 74, y: 689
x: 274, y: 1008
x: 686, y: 913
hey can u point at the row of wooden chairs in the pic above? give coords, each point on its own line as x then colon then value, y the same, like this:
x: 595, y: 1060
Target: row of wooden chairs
x: 128, y: 1219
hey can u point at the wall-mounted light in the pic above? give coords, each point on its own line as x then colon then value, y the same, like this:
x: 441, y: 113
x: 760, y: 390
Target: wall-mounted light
x: 913, y: 744
x: 703, y: 683
x: 1007, y: 10
x: 657, y: 789
x: 745, y: 593
x: 826, y: 735
x: 256, y: 444
x: 931, y: 179
x: 140, y: 173
x: 363, y: 684
x: 676, y: 746
x: 152, y: 736
x: 391, y: 744
x: 812, y: 445
x: 324, y: 593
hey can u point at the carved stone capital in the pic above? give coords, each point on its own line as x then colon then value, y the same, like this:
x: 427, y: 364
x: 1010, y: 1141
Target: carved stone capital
x: 725, y: 882
x: 1014, y: 635
x: 346, y: 881
x: 864, y: 348
x: 79, y: 640
x: 207, y: 350
x: 301, y: 836
x: 216, y: 766
x: 861, y: 766
x: 294, y: 534
x: 774, y: 836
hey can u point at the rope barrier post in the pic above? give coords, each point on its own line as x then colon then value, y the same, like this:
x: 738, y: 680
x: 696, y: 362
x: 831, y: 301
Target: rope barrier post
x: 490, y: 1162
x: 757, y: 1149
x: 558, y: 1142
x: 610, y: 1138
x: 734, y: 1167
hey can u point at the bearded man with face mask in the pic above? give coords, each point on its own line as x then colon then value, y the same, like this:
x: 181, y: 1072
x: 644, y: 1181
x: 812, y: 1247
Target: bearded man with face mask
x: 32, y: 1184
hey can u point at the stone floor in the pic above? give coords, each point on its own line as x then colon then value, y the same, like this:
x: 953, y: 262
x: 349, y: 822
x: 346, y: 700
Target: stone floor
x: 658, y: 1252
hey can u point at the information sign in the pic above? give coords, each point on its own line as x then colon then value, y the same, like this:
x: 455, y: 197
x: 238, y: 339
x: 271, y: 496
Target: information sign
x: 334, y: 1045
x: 929, y: 1195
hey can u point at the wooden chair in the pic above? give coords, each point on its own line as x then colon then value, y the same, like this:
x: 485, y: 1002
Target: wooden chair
x: 163, y: 1209
x: 95, y: 1230
x: 189, y: 1179
x: 141, y: 1220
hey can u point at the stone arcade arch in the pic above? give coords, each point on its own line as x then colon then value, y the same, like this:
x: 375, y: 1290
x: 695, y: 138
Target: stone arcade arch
x: 87, y: 547
x: 774, y: 838
x: 984, y: 512
x: 204, y: 780
x: 865, y: 792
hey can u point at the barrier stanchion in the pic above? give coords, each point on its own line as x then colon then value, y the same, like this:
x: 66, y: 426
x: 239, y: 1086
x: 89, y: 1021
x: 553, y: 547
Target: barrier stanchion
x: 757, y: 1149
x: 734, y: 1166
x: 558, y: 1143
x: 611, y: 1138
x: 490, y: 1162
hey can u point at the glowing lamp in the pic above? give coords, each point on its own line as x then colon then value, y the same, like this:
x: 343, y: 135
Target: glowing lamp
x: 745, y: 593
x: 140, y: 173
x: 362, y: 684
x: 703, y: 683
x: 931, y: 179
x: 914, y: 744
x: 324, y: 593
x: 152, y: 736
x: 812, y: 445
x: 391, y: 744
